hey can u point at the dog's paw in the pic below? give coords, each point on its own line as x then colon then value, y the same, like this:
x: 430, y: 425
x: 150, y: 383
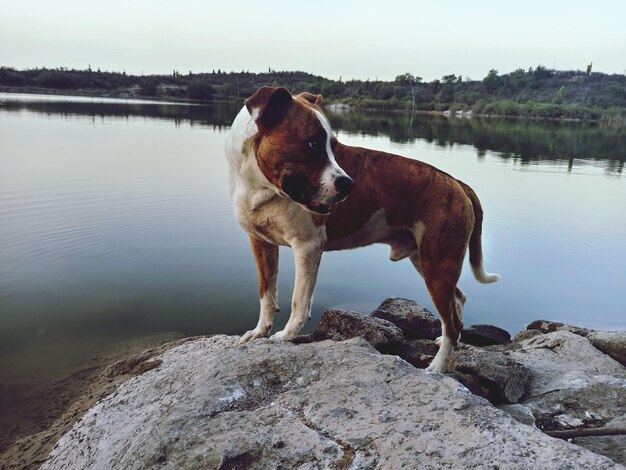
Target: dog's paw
x: 252, y: 335
x: 282, y: 335
x: 437, y: 365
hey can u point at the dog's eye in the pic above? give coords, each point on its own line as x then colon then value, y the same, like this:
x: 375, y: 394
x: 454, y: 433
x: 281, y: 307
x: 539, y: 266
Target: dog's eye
x: 315, y: 145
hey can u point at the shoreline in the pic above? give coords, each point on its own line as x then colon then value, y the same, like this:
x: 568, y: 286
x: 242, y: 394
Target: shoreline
x: 336, y: 107
x: 52, y: 407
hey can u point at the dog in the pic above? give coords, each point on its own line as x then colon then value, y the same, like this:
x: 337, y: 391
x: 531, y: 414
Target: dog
x: 293, y: 184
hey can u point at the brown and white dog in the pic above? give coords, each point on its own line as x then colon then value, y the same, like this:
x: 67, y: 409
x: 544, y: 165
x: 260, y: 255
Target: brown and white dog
x: 290, y: 179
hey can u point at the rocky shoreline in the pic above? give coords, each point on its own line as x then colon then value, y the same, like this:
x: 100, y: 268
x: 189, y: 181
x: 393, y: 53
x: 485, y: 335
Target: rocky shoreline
x: 353, y: 395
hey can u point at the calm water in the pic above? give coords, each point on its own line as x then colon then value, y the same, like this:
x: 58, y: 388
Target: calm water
x: 116, y: 223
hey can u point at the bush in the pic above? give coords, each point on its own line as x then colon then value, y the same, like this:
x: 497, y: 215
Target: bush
x: 200, y: 90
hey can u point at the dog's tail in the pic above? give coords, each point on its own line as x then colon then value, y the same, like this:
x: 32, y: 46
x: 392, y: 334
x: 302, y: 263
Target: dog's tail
x: 475, y: 243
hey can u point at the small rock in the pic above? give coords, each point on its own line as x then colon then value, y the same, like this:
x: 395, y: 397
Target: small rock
x: 546, y: 326
x: 418, y: 352
x: 414, y: 321
x: 340, y: 325
x: 485, y: 335
x: 505, y: 379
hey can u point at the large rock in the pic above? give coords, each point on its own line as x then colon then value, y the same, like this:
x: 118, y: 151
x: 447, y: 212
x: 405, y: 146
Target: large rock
x: 574, y: 385
x: 419, y: 352
x: 501, y: 378
x: 414, y: 320
x: 484, y: 335
x: 612, y: 343
x: 490, y: 374
x: 340, y: 325
x: 562, y: 359
x: 214, y: 404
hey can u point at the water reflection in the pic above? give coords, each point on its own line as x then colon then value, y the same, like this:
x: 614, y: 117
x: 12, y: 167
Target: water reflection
x: 523, y: 141
x: 526, y: 142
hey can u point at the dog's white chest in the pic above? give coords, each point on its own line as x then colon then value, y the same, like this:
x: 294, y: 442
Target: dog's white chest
x: 261, y: 214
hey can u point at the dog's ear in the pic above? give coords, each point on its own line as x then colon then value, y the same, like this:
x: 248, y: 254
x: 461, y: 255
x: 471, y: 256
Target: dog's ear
x: 269, y: 105
x: 311, y: 98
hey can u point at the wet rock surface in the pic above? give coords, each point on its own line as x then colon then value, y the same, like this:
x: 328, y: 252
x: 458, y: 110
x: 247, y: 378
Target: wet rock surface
x: 211, y: 403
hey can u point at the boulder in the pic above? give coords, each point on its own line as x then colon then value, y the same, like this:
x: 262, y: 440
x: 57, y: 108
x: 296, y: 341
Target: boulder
x: 214, y: 404
x: 501, y: 378
x: 562, y: 359
x: 418, y: 352
x: 414, y: 320
x: 574, y: 386
x: 612, y: 343
x: 340, y: 325
x: 484, y: 335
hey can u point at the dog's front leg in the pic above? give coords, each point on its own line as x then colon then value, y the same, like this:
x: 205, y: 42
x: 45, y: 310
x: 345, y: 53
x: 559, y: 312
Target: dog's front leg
x: 266, y: 257
x: 307, y: 257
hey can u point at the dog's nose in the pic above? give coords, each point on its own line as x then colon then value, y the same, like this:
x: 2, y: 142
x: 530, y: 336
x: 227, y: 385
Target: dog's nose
x: 344, y: 185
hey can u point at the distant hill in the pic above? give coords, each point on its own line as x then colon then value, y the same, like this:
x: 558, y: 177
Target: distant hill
x: 538, y: 92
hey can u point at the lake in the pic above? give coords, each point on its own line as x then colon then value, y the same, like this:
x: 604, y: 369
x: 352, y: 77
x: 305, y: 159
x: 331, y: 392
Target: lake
x: 116, y: 226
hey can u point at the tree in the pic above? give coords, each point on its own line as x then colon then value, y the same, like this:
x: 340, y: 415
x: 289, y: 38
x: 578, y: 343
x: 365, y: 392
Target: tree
x: 412, y: 81
x: 149, y: 87
x: 200, y: 90
x: 492, y: 81
x: 226, y: 89
x: 541, y: 72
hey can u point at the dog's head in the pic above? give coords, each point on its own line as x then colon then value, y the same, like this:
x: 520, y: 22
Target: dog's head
x: 294, y: 148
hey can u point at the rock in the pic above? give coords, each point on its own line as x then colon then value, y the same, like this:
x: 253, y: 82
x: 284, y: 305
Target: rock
x: 519, y: 412
x: 562, y: 359
x: 546, y: 326
x: 502, y: 379
x: 470, y: 382
x: 214, y: 404
x: 414, y: 321
x: 574, y: 385
x: 484, y: 335
x: 340, y: 325
x: 418, y: 352
x: 611, y: 446
x: 612, y: 343
x: 489, y: 374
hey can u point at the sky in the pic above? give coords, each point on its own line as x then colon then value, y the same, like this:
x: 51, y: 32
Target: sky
x: 348, y: 39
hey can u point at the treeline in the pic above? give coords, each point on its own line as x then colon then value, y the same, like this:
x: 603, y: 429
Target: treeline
x: 536, y: 92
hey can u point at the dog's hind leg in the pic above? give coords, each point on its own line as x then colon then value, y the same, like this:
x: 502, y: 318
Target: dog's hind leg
x: 416, y: 259
x: 441, y: 263
x: 266, y: 257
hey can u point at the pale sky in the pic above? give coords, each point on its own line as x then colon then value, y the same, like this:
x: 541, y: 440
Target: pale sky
x: 348, y: 39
